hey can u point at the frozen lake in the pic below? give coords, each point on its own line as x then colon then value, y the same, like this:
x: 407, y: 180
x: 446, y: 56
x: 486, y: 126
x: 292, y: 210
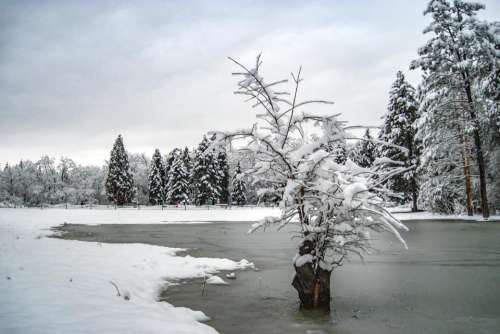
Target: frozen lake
x: 447, y: 282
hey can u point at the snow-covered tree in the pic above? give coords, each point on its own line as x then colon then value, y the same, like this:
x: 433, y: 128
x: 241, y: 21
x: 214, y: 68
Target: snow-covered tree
x: 493, y: 161
x: 169, y: 161
x: 444, y: 169
x: 188, y: 163
x: 186, y: 156
x: 157, y: 180
x: 139, y: 168
x: 462, y: 55
x: 8, y: 185
x: 7, y: 180
x: 48, y: 183
x: 223, y: 169
x: 399, y: 129
x: 25, y: 176
x: 338, y: 149
x: 119, y: 182
x: 66, y: 169
x: 365, y: 151
x: 246, y: 161
x: 206, y: 174
x: 88, y: 183
x: 335, y: 205
x: 178, y: 181
x: 239, y: 187
x: 44, y: 182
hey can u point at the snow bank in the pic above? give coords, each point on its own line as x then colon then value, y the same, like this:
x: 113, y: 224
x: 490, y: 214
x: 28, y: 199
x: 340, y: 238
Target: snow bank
x: 436, y: 216
x: 53, y: 217
x: 61, y: 286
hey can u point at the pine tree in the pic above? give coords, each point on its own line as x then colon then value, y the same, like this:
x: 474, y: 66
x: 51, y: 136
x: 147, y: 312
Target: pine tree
x: 186, y: 157
x: 223, y: 175
x: 188, y: 163
x: 7, y: 180
x: 140, y: 167
x: 399, y: 129
x: 338, y: 149
x: 206, y: 175
x: 444, y: 160
x: 119, y: 182
x: 365, y: 151
x: 169, y: 162
x: 239, y: 187
x: 178, y: 181
x: 157, y: 180
x: 462, y: 55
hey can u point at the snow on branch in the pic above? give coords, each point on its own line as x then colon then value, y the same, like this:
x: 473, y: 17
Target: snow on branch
x: 335, y: 204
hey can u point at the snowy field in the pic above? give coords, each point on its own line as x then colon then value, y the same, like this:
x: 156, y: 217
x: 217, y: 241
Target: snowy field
x: 61, y: 286
x: 58, y: 286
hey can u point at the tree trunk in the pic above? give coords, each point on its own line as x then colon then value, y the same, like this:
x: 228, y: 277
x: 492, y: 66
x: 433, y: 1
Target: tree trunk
x: 414, y: 194
x: 414, y: 190
x: 313, y: 287
x: 482, y: 174
x: 479, y: 155
x: 468, y: 186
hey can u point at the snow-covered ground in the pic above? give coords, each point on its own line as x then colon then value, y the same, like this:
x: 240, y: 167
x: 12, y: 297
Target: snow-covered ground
x: 60, y: 286
x: 405, y: 214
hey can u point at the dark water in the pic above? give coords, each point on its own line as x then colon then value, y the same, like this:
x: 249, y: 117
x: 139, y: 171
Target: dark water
x: 447, y: 282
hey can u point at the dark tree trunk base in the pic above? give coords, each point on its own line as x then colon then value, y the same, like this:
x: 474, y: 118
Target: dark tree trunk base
x: 314, y: 290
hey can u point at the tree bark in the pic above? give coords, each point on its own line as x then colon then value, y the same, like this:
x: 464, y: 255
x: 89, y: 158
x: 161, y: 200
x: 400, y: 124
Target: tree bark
x: 414, y: 189
x: 312, y: 282
x: 313, y: 287
x: 468, y: 186
x: 414, y: 194
x: 479, y: 154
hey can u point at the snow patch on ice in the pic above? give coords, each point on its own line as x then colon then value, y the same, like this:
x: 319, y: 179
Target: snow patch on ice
x: 216, y: 280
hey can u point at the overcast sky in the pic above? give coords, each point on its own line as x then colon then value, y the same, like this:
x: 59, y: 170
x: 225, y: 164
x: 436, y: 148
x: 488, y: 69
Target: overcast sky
x: 73, y: 75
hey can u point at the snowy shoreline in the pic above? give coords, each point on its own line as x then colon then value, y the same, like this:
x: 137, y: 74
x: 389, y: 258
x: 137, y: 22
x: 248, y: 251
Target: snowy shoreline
x: 207, y: 215
x: 52, y: 285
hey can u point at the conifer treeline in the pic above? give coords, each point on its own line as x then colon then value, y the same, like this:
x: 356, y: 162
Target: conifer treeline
x: 202, y: 176
x: 182, y: 177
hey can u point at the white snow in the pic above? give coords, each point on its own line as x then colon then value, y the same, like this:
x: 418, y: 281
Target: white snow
x: 216, y: 280
x: 300, y: 260
x: 343, y: 227
x: 351, y: 190
x: 386, y: 160
x: 60, y: 286
x: 54, y: 217
x: 231, y: 275
x: 436, y: 216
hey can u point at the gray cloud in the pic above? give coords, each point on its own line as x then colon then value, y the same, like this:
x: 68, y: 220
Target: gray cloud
x: 75, y: 74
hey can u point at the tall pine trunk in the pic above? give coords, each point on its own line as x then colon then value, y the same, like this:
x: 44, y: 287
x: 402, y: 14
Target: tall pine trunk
x: 414, y: 195
x: 414, y: 188
x: 468, y: 186
x: 479, y: 153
